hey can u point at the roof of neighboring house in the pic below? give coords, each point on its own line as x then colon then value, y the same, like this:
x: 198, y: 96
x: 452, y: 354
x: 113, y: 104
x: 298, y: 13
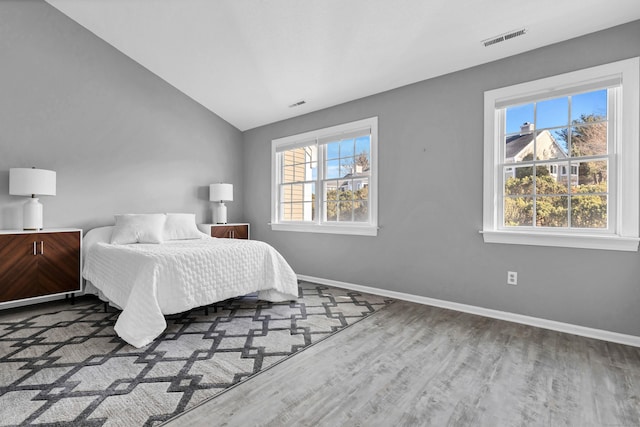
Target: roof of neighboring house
x: 516, y: 143
x: 355, y: 175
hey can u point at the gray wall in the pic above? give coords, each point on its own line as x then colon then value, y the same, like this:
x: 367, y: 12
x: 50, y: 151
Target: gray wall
x: 120, y: 138
x: 430, y: 171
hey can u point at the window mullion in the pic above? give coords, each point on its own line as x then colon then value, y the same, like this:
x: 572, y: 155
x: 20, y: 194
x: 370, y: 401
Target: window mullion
x: 613, y: 139
x: 320, y: 196
x: 279, y: 185
x: 571, y: 161
x: 534, y: 212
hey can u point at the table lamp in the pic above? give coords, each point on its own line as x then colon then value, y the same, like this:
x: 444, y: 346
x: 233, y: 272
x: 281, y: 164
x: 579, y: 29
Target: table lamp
x: 220, y: 193
x: 32, y: 182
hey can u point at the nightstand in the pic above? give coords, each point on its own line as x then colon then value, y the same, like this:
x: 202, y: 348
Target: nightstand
x: 40, y: 263
x: 226, y: 231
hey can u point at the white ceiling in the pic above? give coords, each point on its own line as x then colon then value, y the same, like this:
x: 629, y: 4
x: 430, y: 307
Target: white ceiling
x: 248, y: 60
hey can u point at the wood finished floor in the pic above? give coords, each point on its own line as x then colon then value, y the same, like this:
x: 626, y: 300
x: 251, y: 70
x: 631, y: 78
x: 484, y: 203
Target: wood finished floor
x: 416, y: 365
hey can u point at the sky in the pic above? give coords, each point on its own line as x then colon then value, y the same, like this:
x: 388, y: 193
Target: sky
x: 344, y: 152
x: 555, y: 112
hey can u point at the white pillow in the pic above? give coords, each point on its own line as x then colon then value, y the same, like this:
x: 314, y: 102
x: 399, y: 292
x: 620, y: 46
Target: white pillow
x: 138, y: 228
x: 181, y: 226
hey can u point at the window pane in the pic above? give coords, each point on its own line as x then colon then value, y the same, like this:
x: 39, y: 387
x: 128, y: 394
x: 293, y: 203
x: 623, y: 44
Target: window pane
x: 363, y: 146
x: 589, y: 139
x: 333, y: 169
x: 519, y: 147
x: 361, y: 211
x: 347, y: 166
x: 288, y: 157
x: 285, y: 211
x: 345, y: 211
x: 347, y: 147
x: 297, y: 213
x: 297, y: 193
x: 299, y: 172
x: 518, y: 180
x: 589, y: 211
x: 548, y: 184
x: 363, y: 162
x: 301, y: 211
x: 560, y: 138
x: 285, y: 193
x: 552, y: 113
x: 592, y: 177
x: 333, y: 150
x: 509, y: 172
x: 552, y: 211
x: 331, y: 190
x: 310, y: 192
x: 298, y: 202
x: 589, y: 104
x: 297, y: 155
x: 344, y: 192
x: 288, y: 174
x: 518, y: 211
x: 331, y: 209
x: 310, y: 211
x: 361, y: 188
x: 562, y: 177
x: 518, y: 115
x: 551, y: 145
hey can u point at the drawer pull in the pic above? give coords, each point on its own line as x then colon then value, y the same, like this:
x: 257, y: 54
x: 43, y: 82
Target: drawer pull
x: 41, y: 247
x: 34, y: 249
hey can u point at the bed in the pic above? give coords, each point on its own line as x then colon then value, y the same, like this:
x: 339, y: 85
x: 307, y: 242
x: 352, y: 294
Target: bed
x: 150, y: 277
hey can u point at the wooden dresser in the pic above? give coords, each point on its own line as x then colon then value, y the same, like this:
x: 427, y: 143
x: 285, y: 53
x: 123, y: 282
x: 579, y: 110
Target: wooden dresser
x: 35, y: 264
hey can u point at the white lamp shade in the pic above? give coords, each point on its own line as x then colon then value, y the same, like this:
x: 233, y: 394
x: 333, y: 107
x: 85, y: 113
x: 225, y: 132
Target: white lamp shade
x: 28, y: 181
x: 221, y: 192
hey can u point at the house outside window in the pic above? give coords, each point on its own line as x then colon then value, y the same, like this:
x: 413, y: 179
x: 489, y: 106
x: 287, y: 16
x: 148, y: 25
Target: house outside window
x: 561, y: 160
x: 325, y: 181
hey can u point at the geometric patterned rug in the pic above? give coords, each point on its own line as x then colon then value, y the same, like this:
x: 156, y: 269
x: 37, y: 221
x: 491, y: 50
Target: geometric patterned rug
x: 67, y: 367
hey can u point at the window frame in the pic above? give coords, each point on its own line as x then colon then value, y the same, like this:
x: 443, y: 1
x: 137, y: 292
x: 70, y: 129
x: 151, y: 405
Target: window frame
x: 622, y: 233
x: 369, y: 228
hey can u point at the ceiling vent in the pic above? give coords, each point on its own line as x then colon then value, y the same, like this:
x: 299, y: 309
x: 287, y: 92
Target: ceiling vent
x: 504, y: 37
x: 297, y: 104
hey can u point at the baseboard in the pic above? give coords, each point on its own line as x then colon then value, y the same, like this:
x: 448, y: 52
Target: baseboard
x: 568, y: 328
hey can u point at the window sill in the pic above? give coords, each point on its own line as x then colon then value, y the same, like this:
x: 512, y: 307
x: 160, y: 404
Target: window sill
x: 357, y: 230
x: 583, y: 241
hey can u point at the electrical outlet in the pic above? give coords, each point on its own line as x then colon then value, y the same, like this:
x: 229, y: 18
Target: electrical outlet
x: 512, y: 278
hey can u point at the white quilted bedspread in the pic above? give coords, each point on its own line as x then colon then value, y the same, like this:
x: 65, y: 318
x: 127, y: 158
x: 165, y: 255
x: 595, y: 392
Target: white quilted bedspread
x: 150, y: 280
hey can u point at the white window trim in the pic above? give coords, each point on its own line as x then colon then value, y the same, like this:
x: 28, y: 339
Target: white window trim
x: 368, y: 229
x: 627, y: 193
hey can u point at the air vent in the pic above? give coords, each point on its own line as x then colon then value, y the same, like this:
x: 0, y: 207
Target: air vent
x: 504, y: 37
x: 297, y: 104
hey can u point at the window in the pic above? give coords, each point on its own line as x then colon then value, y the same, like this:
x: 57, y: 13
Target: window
x: 325, y: 181
x: 561, y: 160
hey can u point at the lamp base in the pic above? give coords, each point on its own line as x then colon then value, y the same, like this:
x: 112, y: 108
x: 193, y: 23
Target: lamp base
x: 32, y: 215
x: 220, y: 213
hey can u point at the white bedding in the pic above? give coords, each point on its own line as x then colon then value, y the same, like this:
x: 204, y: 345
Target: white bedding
x: 150, y: 280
